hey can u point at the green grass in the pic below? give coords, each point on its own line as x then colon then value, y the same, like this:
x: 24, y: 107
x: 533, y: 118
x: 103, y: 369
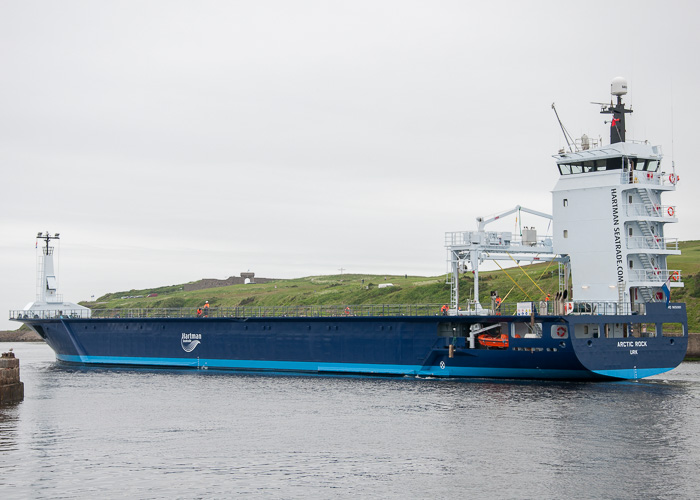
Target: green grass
x: 354, y: 289
x: 350, y: 289
x: 689, y: 264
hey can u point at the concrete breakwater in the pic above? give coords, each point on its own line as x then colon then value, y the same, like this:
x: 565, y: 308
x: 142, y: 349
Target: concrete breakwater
x: 693, y: 345
x: 11, y: 388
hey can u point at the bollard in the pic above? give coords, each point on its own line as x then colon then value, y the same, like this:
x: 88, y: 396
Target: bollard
x: 11, y: 389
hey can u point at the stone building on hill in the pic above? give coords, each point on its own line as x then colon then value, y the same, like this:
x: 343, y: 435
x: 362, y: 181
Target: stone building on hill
x: 244, y: 278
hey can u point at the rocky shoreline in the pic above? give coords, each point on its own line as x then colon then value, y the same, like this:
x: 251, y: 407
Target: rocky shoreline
x: 20, y: 336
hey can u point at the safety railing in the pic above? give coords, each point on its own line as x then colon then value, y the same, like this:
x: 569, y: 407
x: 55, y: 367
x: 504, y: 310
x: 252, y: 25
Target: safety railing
x: 603, y: 308
x: 648, y: 178
x: 498, y: 240
x: 240, y: 312
x: 641, y: 177
x: 50, y: 314
x: 648, y: 210
x: 652, y: 243
x: 554, y: 308
x: 657, y: 275
x: 541, y: 308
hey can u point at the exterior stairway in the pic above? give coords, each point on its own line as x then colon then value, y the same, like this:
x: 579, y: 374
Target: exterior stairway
x: 651, y: 273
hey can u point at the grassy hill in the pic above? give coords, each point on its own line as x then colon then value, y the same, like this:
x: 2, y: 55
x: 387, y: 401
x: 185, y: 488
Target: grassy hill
x: 689, y: 264
x: 533, y: 282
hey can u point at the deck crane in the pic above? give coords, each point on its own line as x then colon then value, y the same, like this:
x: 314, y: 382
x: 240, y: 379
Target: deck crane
x: 466, y: 249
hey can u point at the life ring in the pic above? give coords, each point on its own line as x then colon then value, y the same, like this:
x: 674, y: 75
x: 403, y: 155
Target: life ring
x: 672, y: 179
x: 671, y: 211
x: 676, y: 276
x: 561, y: 331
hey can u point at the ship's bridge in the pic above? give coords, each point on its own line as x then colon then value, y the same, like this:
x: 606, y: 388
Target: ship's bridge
x: 635, y: 156
x: 609, y: 218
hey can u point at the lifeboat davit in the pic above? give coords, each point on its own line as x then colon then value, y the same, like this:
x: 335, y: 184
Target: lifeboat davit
x: 488, y: 340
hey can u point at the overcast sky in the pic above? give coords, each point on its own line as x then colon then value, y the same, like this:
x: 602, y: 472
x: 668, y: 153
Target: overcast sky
x: 169, y: 141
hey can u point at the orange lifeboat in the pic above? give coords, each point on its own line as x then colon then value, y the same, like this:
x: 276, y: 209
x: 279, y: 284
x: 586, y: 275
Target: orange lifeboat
x: 488, y: 340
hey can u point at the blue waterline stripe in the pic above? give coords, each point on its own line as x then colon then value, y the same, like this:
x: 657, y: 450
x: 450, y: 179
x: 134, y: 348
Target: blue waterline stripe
x: 356, y: 368
x: 632, y: 374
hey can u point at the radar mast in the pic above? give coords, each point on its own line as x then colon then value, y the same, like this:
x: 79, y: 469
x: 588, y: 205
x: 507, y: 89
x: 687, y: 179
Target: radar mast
x: 618, y: 88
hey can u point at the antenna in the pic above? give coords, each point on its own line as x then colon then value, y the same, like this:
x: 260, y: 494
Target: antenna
x: 47, y: 237
x: 618, y: 88
x: 673, y: 149
x: 567, y: 136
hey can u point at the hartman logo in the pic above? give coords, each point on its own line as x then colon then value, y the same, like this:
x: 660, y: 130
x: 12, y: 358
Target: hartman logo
x: 190, y: 340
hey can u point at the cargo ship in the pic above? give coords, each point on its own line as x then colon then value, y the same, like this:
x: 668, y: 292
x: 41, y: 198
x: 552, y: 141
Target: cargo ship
x: 611, y: 317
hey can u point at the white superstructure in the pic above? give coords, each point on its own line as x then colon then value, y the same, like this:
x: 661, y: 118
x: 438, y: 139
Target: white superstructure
x: 610, y: 220
x: 608, y: 226
x: 48, y: 302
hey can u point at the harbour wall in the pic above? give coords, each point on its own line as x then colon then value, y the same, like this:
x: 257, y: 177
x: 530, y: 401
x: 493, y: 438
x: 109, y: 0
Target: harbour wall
x: 11, y: 389
x: 693, y: 345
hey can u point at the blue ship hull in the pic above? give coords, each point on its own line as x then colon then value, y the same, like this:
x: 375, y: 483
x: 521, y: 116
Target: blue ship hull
x: 431, y: 346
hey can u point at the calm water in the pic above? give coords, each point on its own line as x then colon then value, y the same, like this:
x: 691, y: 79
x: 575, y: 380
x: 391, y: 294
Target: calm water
x: 164, y: 434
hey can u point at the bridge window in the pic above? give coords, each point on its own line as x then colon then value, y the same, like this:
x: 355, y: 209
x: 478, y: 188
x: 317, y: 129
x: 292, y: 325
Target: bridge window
x: 581, y: 167
x: 643, y: 165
